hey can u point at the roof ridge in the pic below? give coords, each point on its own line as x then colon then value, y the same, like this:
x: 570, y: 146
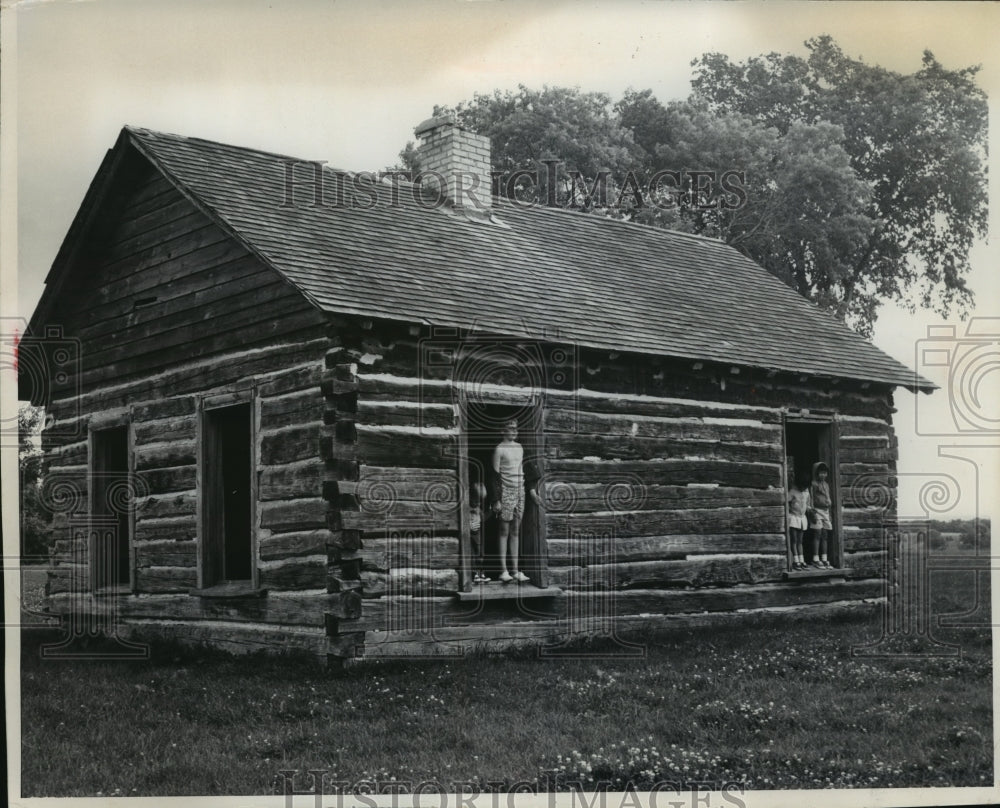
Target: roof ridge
x: 142, y: 131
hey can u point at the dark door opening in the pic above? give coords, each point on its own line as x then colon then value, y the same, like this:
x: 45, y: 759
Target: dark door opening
x: 110, y: 507
x: 805, y: 445
x: 228, y: 500
x: 485, y: 424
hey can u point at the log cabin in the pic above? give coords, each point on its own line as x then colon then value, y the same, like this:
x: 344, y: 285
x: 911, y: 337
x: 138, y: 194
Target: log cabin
x: 270, y: 387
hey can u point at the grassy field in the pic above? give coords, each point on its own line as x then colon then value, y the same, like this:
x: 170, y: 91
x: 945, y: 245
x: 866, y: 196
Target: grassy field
x: 770, y: 707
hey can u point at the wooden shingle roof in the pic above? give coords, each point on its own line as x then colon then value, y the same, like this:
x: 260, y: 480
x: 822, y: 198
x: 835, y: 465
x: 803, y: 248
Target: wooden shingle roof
x: 567, y: 276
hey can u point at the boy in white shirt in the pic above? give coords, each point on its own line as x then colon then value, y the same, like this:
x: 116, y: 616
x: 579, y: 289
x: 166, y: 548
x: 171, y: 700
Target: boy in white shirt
x: 508, y: 458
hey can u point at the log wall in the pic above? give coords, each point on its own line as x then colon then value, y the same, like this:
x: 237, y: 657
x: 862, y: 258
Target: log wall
x: 664, y: 482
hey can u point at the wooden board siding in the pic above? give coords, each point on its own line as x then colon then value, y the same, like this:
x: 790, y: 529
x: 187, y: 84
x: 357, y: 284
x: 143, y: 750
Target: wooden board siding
x: 163, y: 283
x: 170, y: 308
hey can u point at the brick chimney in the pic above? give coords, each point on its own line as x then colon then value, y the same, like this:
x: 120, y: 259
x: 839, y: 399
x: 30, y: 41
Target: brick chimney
x: 461, y: 157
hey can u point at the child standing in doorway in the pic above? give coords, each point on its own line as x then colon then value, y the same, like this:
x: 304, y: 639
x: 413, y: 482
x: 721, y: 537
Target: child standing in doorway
x: 508, y: 458
x: 819, y: 514
x: 477, y: 495
x: 798, y: 504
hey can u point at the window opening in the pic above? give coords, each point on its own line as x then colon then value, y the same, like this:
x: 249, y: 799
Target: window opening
x: 228, y: 500
x: 110, y: 507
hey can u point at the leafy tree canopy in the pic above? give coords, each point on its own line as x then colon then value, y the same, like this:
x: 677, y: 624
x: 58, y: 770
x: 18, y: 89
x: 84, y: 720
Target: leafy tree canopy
x: 917, y: 141
x: 856, y: 184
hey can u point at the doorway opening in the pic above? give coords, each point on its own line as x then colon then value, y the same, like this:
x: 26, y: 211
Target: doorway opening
x: 227, y: 495
x: 808, y: 443
x: 484, y: 426
x: 110, y: 508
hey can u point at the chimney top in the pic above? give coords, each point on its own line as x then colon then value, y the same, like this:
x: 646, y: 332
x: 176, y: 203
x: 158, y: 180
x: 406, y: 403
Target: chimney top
x: 434, y: 123
x: 456, y: 161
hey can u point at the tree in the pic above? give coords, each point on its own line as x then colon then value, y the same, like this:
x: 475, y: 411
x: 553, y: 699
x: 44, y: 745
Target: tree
x: 579, y: 130
x: 919, y: 143
x: 34, y: 514
x: 804, y: 214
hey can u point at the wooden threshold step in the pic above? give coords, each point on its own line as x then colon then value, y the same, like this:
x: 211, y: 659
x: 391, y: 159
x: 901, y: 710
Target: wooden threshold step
x: 495, y: 590
x: 835, y: 572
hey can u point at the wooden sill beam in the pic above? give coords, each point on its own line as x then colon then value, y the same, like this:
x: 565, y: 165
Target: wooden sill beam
x: 836, y: 572
x: 512, y: 591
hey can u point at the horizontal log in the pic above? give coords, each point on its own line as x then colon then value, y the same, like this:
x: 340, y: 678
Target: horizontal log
x: 722, y: 571
x: 648, y: 548
x: 667, y: 472
x: 436, y: 492
x: 179, y: 528
x: 290, y: 445
x: 235, y: 638
x: 399, y: 477
x: 293, y: 409
x: 198, y: 375
x: 406, y: 413
x: 178, y: 428
x: 868, y: 456
x: 856, y: 428
x: 166, y: 554
x: 277, y: 608
x: 70, y: 454
x: 552, y: 634
x: 853, y: 442
x: 406, y: 613
x: 867, y: 517
x: 702, y: 427
x: 855, y: 540
x: 763, y: 519
x: 436, y: 552
x: 166, y: 579
x: 299, y: 573
x: 182, y: 503
x: 866, y: 564
x: 163, y: 481
x: 401, y: 516
x: 307, y: 377
x: 608, y: 447
x: 749, y: 596
x: 409, y: 581
x: 576, y: 497
x: 294, y: 514
x: 386, y: 448
x: 165, y: 455
x: 292, y: 480
x: 301, y: 543
x: 851, y: 470
x: 287, y: 319
x: 374, y: 388
x: 589, y: 402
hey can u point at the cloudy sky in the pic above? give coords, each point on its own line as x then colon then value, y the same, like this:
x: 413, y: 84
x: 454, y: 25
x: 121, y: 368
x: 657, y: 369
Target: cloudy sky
x: 346, y: 82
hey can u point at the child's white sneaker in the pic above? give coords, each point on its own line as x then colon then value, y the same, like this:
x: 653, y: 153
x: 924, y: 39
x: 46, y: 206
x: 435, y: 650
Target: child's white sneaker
x: 520, y: 577
x: 506, y: 577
